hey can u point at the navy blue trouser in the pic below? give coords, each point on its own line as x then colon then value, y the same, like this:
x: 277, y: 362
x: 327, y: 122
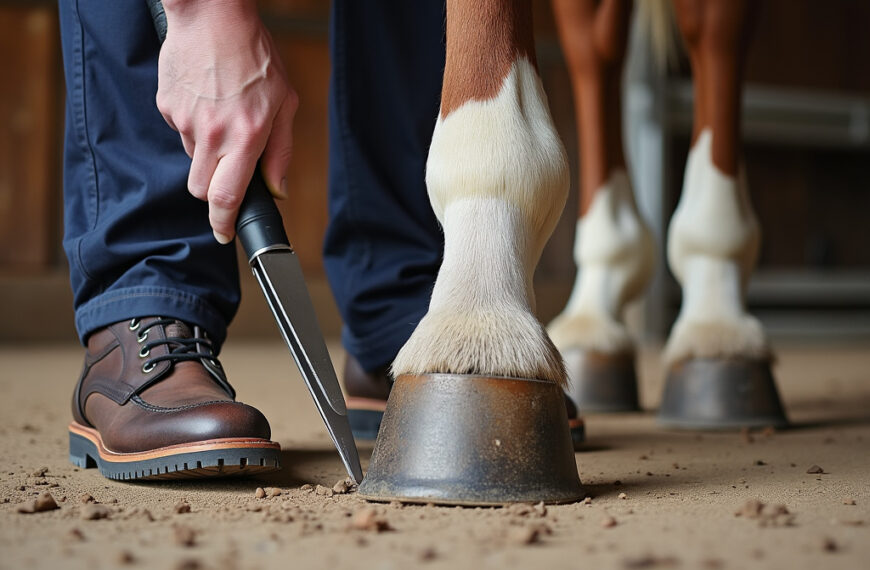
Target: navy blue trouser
x: 138, y: 244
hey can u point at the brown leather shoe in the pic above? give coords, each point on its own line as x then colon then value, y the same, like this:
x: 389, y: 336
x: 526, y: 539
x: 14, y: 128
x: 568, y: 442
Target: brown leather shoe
x: 153, y: 402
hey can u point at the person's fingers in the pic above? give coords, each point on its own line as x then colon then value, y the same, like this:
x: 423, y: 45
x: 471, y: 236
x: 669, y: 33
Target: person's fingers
x: 202, y: 169
x: 225, y: 193
x: 279, y: 148
x: 189, y: 144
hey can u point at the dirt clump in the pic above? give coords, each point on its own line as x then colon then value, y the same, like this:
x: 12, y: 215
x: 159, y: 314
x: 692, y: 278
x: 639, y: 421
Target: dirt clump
x: 40, y: 472
x: 182, y: 507
x: 43, y: 503
x: 815, y: 470
x: 849, y: 501
x: 608, y: 522
x: 343, y: 486
x: 368, y: 519
x: 650, y: 561
x: 829, y: 544
x: 86, y: 499
x: 323, y: 491
x: 95, y: 512
x: 766, y: 515
x: 523, y: 535
x: 184, y: 535
x: 260, y: 493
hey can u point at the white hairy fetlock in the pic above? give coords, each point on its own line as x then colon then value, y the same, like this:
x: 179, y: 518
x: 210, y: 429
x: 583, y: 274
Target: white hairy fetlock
x: 497, y: 177
x: 713, y: 245
x: 614, y: 252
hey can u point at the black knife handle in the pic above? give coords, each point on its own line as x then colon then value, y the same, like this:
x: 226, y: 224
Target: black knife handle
x: 259, y: 225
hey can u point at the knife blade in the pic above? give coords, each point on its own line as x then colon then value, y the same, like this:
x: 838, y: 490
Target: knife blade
x: 260, y: 230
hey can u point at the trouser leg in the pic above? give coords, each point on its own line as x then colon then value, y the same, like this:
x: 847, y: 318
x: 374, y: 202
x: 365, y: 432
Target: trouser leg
x: 138, y: 244
x: 383, y: 245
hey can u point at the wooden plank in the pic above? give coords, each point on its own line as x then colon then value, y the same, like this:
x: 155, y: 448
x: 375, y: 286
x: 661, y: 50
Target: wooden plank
x: 305, y: 211
x: 29, y: 177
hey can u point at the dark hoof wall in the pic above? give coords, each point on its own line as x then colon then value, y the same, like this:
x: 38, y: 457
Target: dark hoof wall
x: 721, y: 394
x: 602, y: 383
x: 472, y: 440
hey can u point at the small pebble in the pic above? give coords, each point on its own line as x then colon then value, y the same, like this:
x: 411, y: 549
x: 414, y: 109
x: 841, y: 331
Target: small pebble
x: 188, y: 564
x: 341, y: 487
x: 608, y: 522
x: 368, y: 519
x: 95, y: 512
x: 85, y: 499
x: 260, y: 493
x: 848, y: 501
x: 814, y: 469
x: 306, y: 487
x: 522, y: 535
x: 587, y: 501
x: 323, y: 491
x: 40, y: 472
x: 622, y: 496
x: 182, y: 507
x: 75, y: 534
x: 184, y: 535
x: 44, y: 502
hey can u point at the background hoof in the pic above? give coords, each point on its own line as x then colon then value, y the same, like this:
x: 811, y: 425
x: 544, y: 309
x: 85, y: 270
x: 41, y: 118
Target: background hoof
x: 721, y: 394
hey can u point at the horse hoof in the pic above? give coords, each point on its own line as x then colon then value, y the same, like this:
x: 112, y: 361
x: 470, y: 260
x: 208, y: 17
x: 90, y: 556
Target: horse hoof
x: 602, y: 382
x: 461, y: 439
x: 707, y: 393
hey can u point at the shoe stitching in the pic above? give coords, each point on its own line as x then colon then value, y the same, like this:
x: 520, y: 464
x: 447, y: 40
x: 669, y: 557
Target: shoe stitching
x: 161, y: 409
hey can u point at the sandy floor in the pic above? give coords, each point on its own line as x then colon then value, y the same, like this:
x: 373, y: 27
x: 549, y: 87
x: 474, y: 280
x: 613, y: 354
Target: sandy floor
x: 681, y: 489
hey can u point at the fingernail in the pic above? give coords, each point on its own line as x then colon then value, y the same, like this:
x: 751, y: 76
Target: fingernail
x: 222, y: 239
x: 283, y: 189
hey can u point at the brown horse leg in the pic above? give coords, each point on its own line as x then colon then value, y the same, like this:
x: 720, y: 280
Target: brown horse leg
x: 497, y: 179
x: 613, y: 247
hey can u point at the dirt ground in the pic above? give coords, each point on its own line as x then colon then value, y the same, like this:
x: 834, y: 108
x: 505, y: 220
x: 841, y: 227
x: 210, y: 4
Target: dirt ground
x: 659, y: 499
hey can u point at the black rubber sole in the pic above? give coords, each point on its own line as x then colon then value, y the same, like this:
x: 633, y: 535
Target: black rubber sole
x: 226, y: 462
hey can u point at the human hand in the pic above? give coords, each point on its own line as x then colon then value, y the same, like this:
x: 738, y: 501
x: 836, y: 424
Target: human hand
x: 222, y: 86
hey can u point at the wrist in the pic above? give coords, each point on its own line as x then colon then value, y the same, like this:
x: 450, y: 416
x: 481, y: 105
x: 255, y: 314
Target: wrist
x: 199, y: 12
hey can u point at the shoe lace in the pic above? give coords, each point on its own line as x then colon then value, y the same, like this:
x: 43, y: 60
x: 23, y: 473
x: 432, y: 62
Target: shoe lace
x: 181, y: 349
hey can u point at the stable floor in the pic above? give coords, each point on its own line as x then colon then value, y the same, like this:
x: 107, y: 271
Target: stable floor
x: 659, y: 499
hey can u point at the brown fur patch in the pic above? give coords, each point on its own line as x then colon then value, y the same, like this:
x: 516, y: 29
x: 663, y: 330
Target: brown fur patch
x: 484, y: 37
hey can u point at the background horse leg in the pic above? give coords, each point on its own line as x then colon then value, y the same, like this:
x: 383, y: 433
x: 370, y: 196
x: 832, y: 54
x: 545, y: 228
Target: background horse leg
x: 613, y: 247
x: 497, y: 179
x: 717, y: 354
x: 714, y: 237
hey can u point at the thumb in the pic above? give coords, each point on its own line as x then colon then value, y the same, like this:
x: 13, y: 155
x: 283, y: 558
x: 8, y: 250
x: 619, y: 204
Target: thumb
x: 279, y: 149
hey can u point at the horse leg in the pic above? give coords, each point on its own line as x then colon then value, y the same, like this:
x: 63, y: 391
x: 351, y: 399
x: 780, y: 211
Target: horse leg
x: 714, y: 236
x: 497, y: 179
x: 613, y: 247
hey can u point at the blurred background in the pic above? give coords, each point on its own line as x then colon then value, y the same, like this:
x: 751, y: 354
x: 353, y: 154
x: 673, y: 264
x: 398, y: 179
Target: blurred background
x: 807, y: 156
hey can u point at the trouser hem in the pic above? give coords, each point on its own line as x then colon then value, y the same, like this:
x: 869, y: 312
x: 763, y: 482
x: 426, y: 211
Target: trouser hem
x: 132, y: 302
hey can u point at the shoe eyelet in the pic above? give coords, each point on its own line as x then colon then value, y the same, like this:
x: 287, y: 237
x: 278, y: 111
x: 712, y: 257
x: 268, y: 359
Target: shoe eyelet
x: 144, y: 352
x: 148, y: 367
x: 134, y: 324
x: 142, y: 337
